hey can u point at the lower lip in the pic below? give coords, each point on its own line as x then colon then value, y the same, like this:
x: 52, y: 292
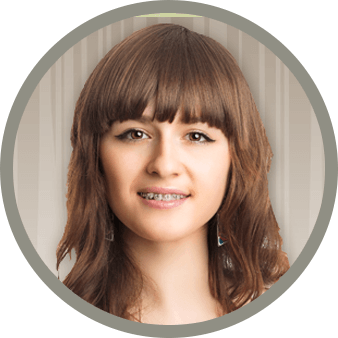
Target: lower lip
x: 163, y: 205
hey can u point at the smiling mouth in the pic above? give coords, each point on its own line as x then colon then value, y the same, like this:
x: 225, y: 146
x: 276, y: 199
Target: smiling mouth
x: 162, y: 197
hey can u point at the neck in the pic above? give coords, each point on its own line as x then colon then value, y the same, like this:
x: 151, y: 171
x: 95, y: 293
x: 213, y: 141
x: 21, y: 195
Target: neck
x: 177, y: 273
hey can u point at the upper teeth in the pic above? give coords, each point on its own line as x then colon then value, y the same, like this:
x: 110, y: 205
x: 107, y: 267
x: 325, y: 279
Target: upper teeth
x: 161, y: 197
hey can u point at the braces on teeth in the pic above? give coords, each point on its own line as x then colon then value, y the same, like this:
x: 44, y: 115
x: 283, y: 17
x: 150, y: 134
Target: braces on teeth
x: 161, y: 197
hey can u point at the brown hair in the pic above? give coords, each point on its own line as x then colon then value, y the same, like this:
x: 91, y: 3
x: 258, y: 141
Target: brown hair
x: 173, y: 69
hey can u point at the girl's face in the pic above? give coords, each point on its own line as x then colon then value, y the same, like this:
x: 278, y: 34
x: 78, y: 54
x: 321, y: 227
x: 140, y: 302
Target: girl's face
x: 164, y: 181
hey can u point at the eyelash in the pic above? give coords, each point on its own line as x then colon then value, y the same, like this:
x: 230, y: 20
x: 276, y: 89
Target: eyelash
x: 127, y: 136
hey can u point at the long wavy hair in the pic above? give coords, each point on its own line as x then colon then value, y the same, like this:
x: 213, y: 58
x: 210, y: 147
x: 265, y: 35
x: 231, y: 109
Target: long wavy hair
x: 174, y: 69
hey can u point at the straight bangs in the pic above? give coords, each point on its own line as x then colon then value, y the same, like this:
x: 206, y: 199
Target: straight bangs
x: 171, y: 69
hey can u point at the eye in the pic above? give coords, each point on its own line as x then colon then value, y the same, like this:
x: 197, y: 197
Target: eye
x: 136, y: 134
x: 133, y: 135
x: 198, y: 137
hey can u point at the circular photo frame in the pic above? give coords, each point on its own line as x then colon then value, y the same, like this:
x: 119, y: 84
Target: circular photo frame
x: 304, y: 183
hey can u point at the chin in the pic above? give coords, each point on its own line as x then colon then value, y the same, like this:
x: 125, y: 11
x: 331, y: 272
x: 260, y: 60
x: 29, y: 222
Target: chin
x: 167, y: 232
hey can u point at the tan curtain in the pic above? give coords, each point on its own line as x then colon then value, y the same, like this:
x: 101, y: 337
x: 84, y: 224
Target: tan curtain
x: 42, y: 148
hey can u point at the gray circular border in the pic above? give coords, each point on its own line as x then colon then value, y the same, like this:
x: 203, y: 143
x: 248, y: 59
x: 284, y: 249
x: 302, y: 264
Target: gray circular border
x: 283, y: 54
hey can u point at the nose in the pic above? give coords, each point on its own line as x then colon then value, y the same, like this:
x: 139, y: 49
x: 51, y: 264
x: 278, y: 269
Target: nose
x: 165, y: 159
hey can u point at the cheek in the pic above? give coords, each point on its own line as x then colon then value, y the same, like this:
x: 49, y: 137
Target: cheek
x: 110, y: 169
x: 120, y: 169
x: 213, y: 176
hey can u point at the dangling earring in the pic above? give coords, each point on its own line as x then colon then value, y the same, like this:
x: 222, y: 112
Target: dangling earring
x: 220, y: 239
x: 111, y: 239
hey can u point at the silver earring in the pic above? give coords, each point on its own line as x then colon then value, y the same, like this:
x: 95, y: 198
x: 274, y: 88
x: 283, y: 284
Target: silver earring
x: 111, y: 239
x: 220, y: 239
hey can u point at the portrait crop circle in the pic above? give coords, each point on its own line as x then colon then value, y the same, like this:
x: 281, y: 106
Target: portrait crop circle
x: 7, y: 176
